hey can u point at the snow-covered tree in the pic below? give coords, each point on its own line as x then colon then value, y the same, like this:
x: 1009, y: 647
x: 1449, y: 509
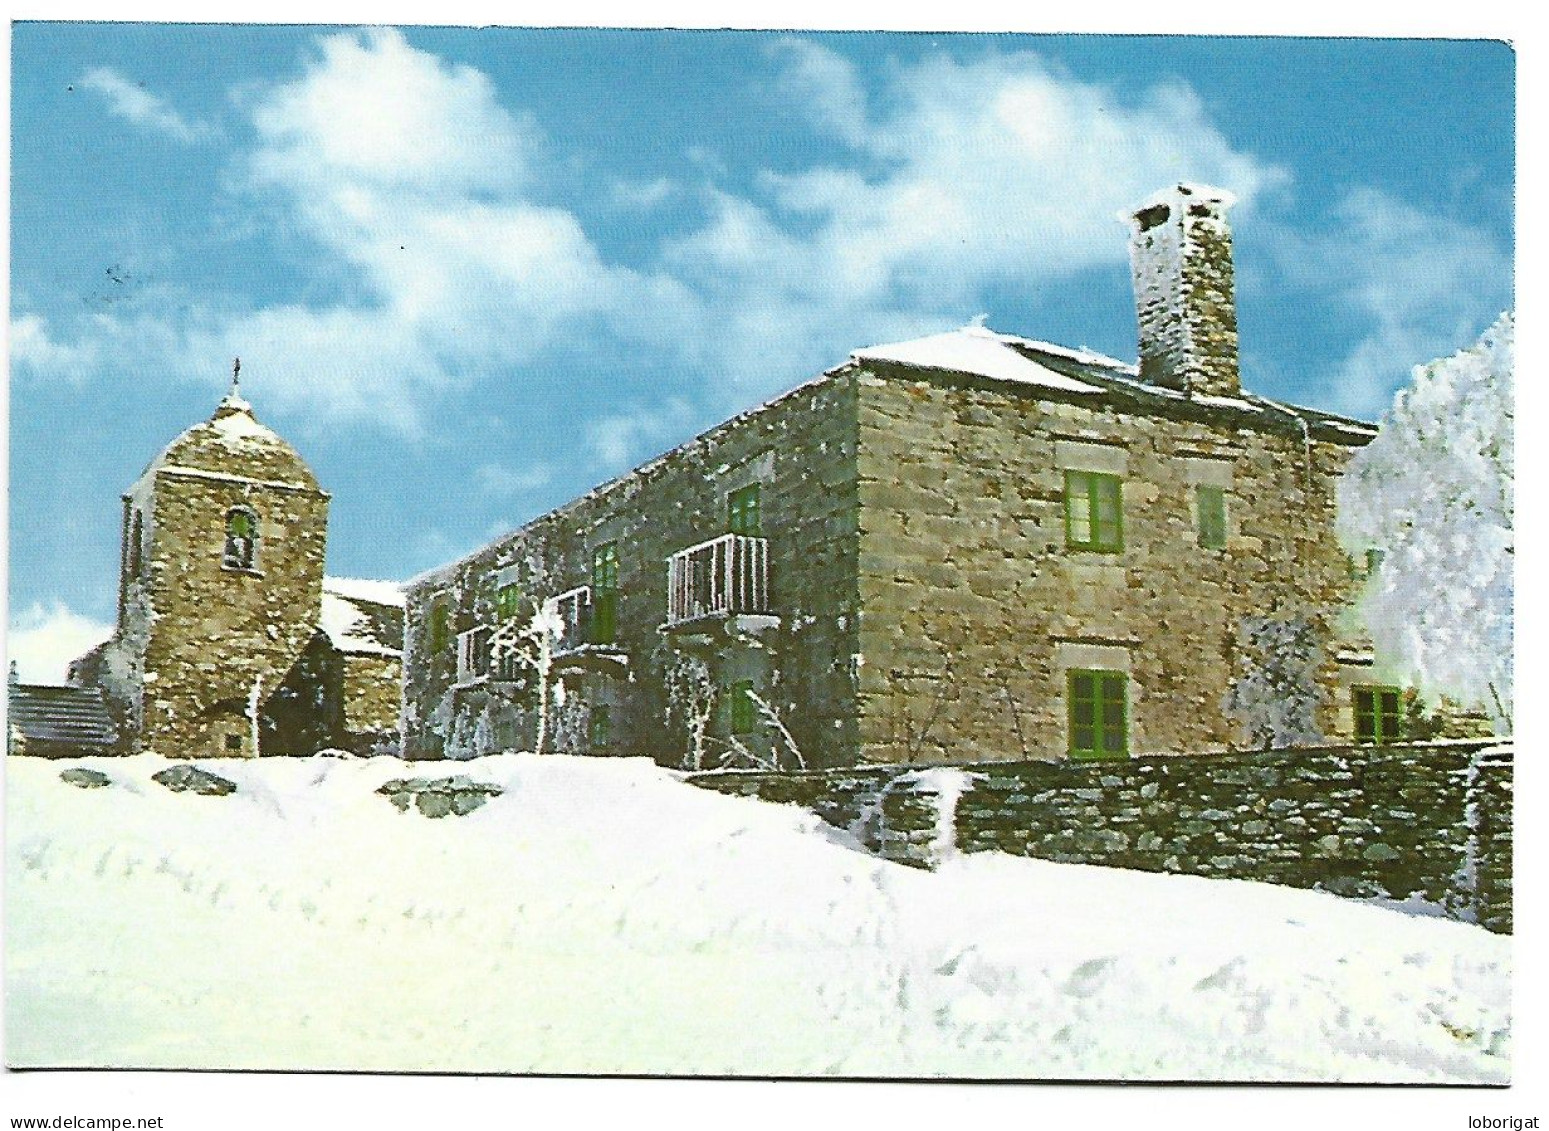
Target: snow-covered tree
x: 691, y: 700
x: 1434, y: 492
x: 532, y: 646
x: 1275, y: 698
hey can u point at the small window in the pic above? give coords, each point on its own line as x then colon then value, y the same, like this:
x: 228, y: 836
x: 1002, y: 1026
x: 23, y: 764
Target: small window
x: 234, y: 742
x: 1099, y: 714
x: 1093, y: 511
x: 1378, y: 718
x: 508, y: 601
x: 601, y: 725
x: 742, y: 511
x: 1374, y: 558
x: 1210, y: 502
x: 440, y: 625
x: 473, y: 653
x: 241, y: 550
x: 605, y: 585
x: 744, y: 713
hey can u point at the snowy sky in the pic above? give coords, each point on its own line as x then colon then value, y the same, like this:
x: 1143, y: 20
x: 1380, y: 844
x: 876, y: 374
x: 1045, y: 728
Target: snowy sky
x: 473, y: 273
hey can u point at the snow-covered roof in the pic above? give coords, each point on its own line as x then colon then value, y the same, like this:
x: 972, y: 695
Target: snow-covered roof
x: 74, y: 715
x: 366, y: 589
x: 978, y: 351
x: 363, y: 617
x: 233, y: 444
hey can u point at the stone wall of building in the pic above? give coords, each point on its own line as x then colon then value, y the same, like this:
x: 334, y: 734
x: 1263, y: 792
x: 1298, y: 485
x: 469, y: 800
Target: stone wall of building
x: 216, y: 633
x: 974, y: 607
x: 800, y: 449
x: 371, y: 695
x: 1425, y: 825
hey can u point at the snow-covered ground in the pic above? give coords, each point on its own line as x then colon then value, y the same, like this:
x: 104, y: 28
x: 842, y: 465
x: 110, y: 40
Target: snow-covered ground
x: 601, y: 916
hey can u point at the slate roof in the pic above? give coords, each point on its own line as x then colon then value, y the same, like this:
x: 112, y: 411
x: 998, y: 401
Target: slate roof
x: 75, y: 715
x: 363, y: 618
x: 1085, y: 376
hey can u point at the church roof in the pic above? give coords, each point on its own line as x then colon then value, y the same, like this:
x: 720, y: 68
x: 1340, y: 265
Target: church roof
x: 233, y: 444
x: 75, y: 715
x: 363, y: 618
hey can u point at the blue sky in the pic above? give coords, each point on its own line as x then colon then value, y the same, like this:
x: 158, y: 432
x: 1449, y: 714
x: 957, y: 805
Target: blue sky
x: 473, y: 273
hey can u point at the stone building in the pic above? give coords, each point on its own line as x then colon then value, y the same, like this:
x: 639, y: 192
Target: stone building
x: 964, y: 548
x: 229, y: 639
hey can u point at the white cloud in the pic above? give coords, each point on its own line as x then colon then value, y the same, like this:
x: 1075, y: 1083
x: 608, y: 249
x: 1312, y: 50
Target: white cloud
x: 996, y: 171
x: 135, y: 104
x: 499, y: 480
x: 1423, y: 284
x: 411, y: 181
x: 436, y: 206
x: 34, y: 349
x: 623, y: 439
x: 644, y: 195
x: 43, y: 641
x: 822, y: 86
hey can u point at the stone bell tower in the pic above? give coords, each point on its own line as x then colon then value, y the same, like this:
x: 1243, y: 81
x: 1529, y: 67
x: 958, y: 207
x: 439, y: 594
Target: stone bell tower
x: 220, y: 586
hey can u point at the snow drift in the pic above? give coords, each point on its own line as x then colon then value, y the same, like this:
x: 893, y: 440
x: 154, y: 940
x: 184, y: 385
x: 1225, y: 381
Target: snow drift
x: 599, y: 916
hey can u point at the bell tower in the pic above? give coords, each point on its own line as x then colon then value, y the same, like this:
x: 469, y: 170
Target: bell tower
x: 220, y: 589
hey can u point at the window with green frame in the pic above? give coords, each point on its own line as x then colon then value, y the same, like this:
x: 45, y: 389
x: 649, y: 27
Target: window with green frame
x: 1379, y: 718
x: 1210, y: 503
x: 1094, y: 510
x: 508, y: 601
x: 601, y: 725
x: 605, y: 593
x: 744, y: 715
x: 440, y: 625
x: 1099, y: 713
x: 742, y: 507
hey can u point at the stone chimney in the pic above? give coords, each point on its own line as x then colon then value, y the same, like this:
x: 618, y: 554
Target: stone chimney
x: 1181, y: 254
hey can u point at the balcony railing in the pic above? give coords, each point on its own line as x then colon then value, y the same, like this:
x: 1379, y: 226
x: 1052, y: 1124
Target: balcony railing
x: 575, y: 609
x: 722, y: 577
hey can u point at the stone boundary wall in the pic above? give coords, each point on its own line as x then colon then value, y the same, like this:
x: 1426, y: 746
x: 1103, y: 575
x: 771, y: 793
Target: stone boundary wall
x: 1424, y: 824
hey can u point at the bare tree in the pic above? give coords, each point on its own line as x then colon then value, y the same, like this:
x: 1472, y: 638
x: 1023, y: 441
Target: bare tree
x: 691, y: 696
x: 772, y: 718
x: 915, y: 730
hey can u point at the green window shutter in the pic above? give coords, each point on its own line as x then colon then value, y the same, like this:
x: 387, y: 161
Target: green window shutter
x: 1389, y: 718
x: 605, y: 584
x: 742, y: 511
x: 439, y: 634
x: 1099, y: 713
x: 1379, y: 716
x: 744, y: 716
x: 1078, y: 509
x: 601, y: 725
x: 1094, y: 511
x: 1211, y: 504
x: 508, y: 601
x: 1374, y: 558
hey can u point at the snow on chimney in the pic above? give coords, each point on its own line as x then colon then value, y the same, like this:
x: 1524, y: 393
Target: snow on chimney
x: 1181, y: 256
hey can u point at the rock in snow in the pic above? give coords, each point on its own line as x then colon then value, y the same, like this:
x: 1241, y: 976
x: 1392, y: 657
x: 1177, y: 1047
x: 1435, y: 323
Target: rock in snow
x: 84, y: 778
x: 438, y: 797
x: 183, y: 778
x: 600, y: 916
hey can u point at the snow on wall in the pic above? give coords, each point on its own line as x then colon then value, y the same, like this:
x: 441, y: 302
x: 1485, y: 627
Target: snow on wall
x: 599, y: 917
